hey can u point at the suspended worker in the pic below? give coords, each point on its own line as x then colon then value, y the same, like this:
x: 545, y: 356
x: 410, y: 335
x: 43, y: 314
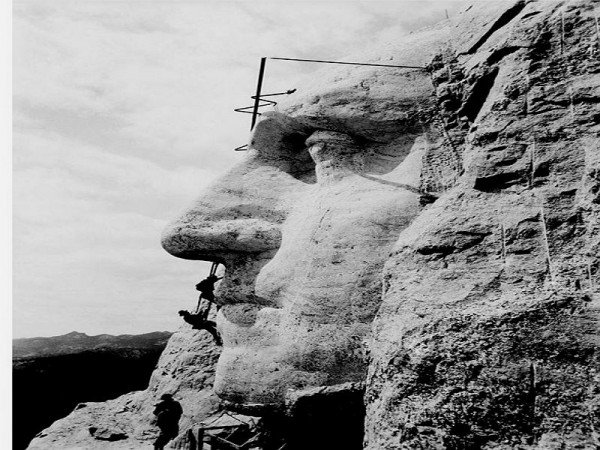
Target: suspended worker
x: 199, y: 319
x: 207, y: 292
x: 199, y: 322
x: 207, y: 287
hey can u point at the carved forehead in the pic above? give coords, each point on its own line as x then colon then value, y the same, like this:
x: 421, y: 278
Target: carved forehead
x: 363, y: 102
x: 375, y: 101
x: 364, y: 98
x: 367, y: 100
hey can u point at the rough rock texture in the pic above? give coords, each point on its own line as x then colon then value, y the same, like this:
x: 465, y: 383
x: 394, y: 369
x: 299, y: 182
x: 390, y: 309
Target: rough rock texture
x: 431, y: 232
x: 185, y: 369
x: 488, y: 332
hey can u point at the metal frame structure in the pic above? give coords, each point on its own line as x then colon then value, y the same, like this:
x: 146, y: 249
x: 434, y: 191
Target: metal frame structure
x: 258, y: 97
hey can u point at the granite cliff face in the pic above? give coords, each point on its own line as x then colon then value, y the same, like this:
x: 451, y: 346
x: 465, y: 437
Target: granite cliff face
x: 428, y: 236
x: 487, y: 336
x: 185, y: 368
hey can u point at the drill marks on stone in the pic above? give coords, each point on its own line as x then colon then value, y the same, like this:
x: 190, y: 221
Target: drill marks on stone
x: 436, y: 179
x: 501, y: 22
x: 571, y: 102
x: 562, y: 32
x: 445, y: 81
x: 567, y: 67
x: 455, y: 152
x: 590, y: 278
x: 503, y: 240
x: 532, y: 162
x: 528, y: 87
x: 463, y: 100
x: 551, y: 391
x: 532, y: 394
x: 544, y: 98
x: 546, y: 243
x: 565, y: 63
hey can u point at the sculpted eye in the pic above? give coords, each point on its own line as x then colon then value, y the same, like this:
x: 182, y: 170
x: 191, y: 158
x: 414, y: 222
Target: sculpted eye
x: 326, y: 145
x: 335, y: 154
x: 314, y: 139
x: 314, y: 145
x: 278, y: 140
x: 299, y: 163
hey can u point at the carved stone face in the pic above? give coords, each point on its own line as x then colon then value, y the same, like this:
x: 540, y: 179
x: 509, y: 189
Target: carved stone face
x: 304, y: 226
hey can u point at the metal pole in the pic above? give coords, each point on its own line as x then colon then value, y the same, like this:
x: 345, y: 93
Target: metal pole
x: 348, y: 63
x: 261, y: 73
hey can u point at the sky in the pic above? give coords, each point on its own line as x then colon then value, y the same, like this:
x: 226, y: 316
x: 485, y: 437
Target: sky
x: 122, y: 114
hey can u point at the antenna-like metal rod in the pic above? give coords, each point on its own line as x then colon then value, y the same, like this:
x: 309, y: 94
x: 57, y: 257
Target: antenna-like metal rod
x: 261, y: 73
x: 348, y: 63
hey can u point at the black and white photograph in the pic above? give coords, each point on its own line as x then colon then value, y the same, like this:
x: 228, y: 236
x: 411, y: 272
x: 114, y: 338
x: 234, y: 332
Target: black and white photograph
x: 303, y: 225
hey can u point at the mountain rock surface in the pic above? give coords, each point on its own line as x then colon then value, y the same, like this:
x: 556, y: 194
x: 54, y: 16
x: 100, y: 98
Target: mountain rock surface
x: 487, y: 336
x: 478, y: 328
x: 185, y: 369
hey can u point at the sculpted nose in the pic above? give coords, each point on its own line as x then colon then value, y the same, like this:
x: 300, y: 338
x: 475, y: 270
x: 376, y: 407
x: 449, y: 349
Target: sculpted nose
x: 241, y: 213
x: 231, y: 217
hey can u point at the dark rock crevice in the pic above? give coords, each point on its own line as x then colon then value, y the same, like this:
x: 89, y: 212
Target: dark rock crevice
x: 478, y: 95
x: 501, y: 22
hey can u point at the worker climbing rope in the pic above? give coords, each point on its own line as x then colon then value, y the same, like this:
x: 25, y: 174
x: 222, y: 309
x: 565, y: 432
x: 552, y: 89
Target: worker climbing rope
x: 199, y: 319
x: 207, y: 291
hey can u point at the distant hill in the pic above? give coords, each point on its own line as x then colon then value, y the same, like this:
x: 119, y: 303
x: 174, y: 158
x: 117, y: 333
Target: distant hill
x: 51, y: 375
x: 75, y: 342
